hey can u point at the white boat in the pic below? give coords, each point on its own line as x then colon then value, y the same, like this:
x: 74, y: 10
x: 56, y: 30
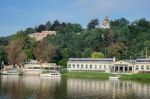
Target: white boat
x: 11, y: 72
x: 114, y: 76
x: 35, y: 68
x: 51, y: 74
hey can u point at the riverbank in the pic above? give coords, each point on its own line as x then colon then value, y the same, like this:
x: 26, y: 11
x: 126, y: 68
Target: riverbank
x: 87, y: 74
x: 103, y: 75
x: 144, y: 76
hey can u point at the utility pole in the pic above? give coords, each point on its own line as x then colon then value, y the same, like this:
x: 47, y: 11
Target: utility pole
x: 146, y: 51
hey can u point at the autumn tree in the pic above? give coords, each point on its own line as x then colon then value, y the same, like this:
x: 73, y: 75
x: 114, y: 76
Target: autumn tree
x: 44, y: 51
x: 16, y: 54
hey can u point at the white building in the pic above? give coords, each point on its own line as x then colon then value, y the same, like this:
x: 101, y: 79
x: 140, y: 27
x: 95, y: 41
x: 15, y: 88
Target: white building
x: 94, y: 64
x: 105, y: 24
x: 108, y: 65
x: 39, y: 36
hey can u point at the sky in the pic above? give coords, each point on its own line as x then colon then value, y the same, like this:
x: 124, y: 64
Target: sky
x: 18, y: 15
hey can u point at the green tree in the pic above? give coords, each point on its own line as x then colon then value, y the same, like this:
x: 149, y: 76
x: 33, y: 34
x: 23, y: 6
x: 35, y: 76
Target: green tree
x: 87, y: 53
x: 117, y: 49
x: 41, y: 28
x: 92, y: 24
x: 97, y: 55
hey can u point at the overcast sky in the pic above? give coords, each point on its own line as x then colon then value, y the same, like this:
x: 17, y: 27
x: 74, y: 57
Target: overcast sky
x: 20, y: 14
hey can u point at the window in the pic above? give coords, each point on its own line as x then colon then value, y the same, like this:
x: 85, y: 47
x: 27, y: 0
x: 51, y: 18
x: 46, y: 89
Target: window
x: 95, y: 66
x: 77, y: 65
x: 142, y: 67
x: 73, y: 65
x: 90, y: 66
x: 69, y: 65
x: 147, y: 67
x: 104, y: 66
x: 137, y: 67
x: 81, y: 65
x: 86, y: 66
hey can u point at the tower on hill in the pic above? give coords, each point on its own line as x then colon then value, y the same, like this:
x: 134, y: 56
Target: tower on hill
x: 105, y: 24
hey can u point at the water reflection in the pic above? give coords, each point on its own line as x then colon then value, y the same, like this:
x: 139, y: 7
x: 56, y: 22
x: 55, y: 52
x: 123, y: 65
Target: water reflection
x: 28, y: 87
x: 34, y: 87
x: 106, y: 88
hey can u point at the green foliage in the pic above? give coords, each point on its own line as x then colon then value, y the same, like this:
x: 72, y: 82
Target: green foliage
x: 92, y: 24
x: 124, y: 40
x: 87, y: 53
x: 97, y: 55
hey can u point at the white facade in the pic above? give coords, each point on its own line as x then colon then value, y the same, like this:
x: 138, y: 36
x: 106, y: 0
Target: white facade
x: 81, y: 64
x: 105, y: 24
x: 108, y: 65
x: 39, y: 36
x: 142, y: 65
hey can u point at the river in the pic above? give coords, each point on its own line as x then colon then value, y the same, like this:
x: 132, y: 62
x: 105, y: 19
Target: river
x: 35, y: 87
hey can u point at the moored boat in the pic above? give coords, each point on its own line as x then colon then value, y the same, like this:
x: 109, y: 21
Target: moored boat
x: 114, y: 76
x: 36, y: 68
x: 50, y: 74
x: 11, y: 72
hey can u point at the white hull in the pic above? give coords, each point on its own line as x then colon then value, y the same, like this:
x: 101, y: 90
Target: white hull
x: 4, y: 72
x: 114, y: 77
x: 50, y: 75
x: 32, y: 72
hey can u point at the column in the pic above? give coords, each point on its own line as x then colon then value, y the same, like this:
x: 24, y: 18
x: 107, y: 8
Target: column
x: 118, y: 69
x: 123, y: 69
x: 114, y: 69
x: 128, y: 69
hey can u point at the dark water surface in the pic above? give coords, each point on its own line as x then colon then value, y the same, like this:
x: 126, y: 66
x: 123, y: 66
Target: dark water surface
x: 35, y: 87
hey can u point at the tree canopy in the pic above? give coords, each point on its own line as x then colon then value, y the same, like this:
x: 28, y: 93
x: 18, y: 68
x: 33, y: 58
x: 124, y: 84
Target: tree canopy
x: 123, y: 40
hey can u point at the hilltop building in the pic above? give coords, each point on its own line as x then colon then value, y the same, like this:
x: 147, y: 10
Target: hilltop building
x: 108, y: 65
x: 39, y: 36
x: 105, y: 24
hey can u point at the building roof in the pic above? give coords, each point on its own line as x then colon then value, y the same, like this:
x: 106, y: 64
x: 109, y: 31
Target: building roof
x: 91, y: 59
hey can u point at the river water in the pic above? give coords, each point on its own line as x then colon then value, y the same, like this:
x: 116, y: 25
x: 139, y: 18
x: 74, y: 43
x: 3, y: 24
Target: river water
x: 35, y: 87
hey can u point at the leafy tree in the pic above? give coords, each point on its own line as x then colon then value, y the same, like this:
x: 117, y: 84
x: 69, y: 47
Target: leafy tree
x: 87, y: 53
x: 119, y: 23
x: 48, y: 26
x: 55, y: 25
x: 3, y: 56
x: 97, y: 55
x: 41, y: 28
x: 44, y: 52
x: 117, y: 49
x: 16, y: 54
x: 92, y: 24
